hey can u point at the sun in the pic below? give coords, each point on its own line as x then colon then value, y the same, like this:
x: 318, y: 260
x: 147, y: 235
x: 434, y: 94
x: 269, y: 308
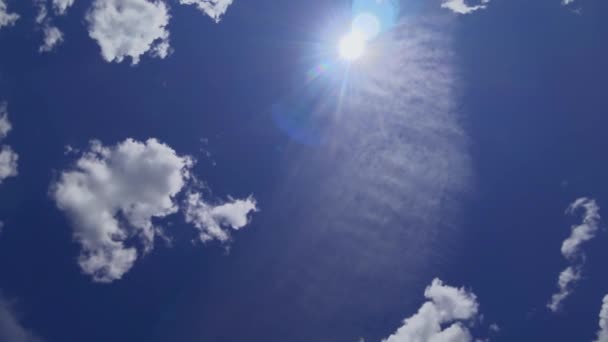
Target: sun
x: 352, y: 46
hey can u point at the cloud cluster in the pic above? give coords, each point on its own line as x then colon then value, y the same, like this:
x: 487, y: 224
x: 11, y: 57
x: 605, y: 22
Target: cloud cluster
x: 113, y: 194
x: 10, y: 328
x: 441, y: 318
x: 61, y: 6
x: 6, y: 18
x: 460, y: 7
x: 130, y: 28
x: 571, y: 248
x: 52, y: 35
x: 213, y: 8
x: 8, y: 158
x: 211, y: 220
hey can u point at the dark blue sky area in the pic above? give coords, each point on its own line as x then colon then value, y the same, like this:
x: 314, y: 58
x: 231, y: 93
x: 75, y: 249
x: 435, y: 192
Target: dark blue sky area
x: 452, y: 152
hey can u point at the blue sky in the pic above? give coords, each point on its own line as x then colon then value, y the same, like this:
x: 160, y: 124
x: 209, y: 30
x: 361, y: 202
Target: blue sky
x: 194, y: 170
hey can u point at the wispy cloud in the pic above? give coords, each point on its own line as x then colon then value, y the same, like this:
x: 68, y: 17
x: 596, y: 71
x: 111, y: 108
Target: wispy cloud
x: 572, y: 249
x: 52, y: 35
x: 8, y: 158
x: 6, y: 18
x: 213, y: 8
x: 460, y: 7
x: 11, y: 330
x: 61, y: 6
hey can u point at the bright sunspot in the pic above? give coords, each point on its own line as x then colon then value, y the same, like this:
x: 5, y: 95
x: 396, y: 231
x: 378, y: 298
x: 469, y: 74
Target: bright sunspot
x: 352, y: 46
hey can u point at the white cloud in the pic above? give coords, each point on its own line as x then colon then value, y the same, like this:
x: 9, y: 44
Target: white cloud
x: 8, y: 158
x: 213, y: 8
x: 52, y: 37
x: 571, y: 249
x: 567, y: 2
x: 10, y: 327
x: 460, y: 7
x: 61, y: 6
x: 7, y: 19
x: 130, y: 28
x: 5, y: 124
x: 602, y: 334
x: 210, y: 220
x: 446, y: 305
x: 112, y: 195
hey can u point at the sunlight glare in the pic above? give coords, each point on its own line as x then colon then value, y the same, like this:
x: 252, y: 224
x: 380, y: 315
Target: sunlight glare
x: 352, y: 46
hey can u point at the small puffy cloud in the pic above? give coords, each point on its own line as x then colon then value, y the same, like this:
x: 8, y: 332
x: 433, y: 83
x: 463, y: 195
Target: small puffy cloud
x: 602, y: 334
x: 113, y: 193
x: 10, y: 327
x: 6, y: 18
x: 8, y: 158
x: 111, y: 196
x: 5, y: 124
x: 52, y: 37
x: 446, y: 306
x: 213, y: 8
x: 212, y: 221
x: 129, y: 28
x: 460, y: 7
x: 61, y: 6
x: 571, y: 248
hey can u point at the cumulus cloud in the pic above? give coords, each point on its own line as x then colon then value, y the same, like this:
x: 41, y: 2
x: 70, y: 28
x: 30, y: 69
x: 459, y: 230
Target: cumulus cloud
x: 52, y: 35
x: 602, y: 334
x: 10, y: 327
x: 211, y: 221
x: 8, y: 158
x: 113, y: 194
x: 213, y: 8
x: 130, y: 28
x: 460, y: 7
x: 61, y: 6
x: 571, y: 248
x: 6, y: 18
x: 446, y: 306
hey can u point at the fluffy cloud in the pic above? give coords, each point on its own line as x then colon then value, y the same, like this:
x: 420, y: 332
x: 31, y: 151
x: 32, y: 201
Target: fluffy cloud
x: 602, y: 334
x: 52, y: 37
x: 61, y: 6
x: 460, y: 7
x: 7, y: 19
x: 10, y: 328
x: 8, y: 158
x: 571, y: 248
x: 210, y: 220
x: 113, y: 194
x: 446, y: 306
x: 213, y: 8
x: 129, y: 28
